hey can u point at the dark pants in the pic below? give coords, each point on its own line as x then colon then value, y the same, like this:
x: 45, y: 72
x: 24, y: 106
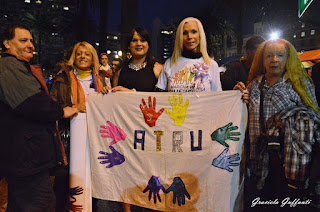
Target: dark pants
x: 276, y: 194
x: 30, y: 194
x: 61, y: 191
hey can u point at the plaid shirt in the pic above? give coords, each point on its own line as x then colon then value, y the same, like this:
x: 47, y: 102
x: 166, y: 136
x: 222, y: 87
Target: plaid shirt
x: 277, y: 98
x: 301, y: 131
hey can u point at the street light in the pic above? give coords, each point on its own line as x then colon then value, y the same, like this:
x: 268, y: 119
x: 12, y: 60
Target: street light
x: 274, y: 35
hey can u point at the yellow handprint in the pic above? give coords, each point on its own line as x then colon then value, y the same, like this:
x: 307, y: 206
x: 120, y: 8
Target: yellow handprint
x: 179, y: 111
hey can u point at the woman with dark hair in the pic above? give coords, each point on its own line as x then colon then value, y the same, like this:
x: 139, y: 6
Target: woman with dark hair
x: 141, y: 71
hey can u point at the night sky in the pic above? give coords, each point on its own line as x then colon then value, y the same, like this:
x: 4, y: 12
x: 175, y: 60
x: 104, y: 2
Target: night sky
x: 165, y: 10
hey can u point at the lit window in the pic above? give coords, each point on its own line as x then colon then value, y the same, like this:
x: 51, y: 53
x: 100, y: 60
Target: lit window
x: 108, y: 51
x: 303, y: 34
x: 97, y: 44
x: 27, y: 1
x: 108, y: 37
x: 302, y: 25
x: 294, y: 36
x: 6, y: 16
x: 66, y: 8
x: 115, y: 37
x: 313, y: 32
x: 38, y: 2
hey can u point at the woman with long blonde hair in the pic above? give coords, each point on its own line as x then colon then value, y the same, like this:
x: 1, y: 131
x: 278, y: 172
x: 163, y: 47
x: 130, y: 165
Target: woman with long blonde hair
x: 190, y: 68
x: 78, y: 77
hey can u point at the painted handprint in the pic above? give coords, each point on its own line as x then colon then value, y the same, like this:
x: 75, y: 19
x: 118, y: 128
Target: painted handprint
x: 154, y: 187
x: 149, y: 112
x: 224, y: 161
x: 113, y: 132
x: 75, y: 191
x: 179, y: 111
x: 114, y: 158
x: 179, y: 191
x: 75, y: 208
x: 223, y: 133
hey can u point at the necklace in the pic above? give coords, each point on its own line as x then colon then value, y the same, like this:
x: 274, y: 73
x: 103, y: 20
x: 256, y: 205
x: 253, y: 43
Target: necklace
x: 138, y: 66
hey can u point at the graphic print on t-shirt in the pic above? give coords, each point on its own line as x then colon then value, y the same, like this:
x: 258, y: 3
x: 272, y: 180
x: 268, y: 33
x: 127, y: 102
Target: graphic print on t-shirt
x: 193, y: 77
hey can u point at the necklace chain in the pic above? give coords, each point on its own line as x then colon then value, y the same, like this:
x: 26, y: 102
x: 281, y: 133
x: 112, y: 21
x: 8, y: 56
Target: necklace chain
x: 138, y: 66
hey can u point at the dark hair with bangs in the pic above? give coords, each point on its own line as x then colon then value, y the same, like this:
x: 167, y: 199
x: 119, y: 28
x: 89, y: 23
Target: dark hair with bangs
x: 144, y: 34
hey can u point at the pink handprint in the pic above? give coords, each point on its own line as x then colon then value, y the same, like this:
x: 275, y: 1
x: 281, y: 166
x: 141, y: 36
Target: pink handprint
x: 113, y: 132
x: 149, y: 112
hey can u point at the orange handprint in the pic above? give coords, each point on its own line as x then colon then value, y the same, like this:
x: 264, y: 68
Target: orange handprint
x: 149, y: 113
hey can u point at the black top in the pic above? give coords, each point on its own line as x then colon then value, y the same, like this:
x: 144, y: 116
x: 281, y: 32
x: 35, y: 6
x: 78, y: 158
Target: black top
x: 141, y: 80
x: 236, y: 72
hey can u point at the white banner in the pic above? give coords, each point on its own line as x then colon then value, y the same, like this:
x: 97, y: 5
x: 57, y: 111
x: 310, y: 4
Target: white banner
x: 168, y: 151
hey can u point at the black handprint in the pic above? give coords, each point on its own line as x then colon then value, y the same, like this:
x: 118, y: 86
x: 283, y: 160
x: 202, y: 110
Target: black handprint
x: 75, y: 191
x: 179, y: 191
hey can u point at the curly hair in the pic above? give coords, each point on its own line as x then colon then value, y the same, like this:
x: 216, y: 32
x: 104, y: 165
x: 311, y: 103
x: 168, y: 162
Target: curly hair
x: 293, y: 69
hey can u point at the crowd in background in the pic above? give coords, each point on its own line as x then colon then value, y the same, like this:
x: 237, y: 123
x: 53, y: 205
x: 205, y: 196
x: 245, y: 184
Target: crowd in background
x: 275, y: 86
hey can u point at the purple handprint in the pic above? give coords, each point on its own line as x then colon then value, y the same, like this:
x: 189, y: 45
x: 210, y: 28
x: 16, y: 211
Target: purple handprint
x: 154, y: 187
x: 113, y: 132
x: 114, y: 158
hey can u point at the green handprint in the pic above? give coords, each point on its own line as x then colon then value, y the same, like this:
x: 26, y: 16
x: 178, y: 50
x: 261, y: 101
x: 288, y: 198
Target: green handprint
x: 179, y: 111
x: 223, y: 133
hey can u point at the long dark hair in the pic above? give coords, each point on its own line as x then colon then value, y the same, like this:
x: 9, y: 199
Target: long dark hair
x: 144, y: 34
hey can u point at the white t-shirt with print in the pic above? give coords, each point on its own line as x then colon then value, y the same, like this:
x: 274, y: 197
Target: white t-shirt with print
x: 190, y: 75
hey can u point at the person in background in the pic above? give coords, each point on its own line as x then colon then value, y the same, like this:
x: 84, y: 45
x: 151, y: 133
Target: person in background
x: 238, y: 71
x: 116, y: 66
x: 141, y: 71
x: 29, y: 142
x: 105, y: 68
x: 277, y: 82
x: 76, y: 79
x: 190, y: 69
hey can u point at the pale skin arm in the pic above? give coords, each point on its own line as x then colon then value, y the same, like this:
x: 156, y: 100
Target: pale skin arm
x: 121, y: 88
x: 245, y: 93
x: 70, y: 112
x: 157, y: 69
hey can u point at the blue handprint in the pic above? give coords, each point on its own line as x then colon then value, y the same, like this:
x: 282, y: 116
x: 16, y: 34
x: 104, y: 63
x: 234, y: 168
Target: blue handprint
x: 154, y: 187
x: 224, y: 161
x: 179, y: 191
x: 223, y: 133
x: 114, y: 158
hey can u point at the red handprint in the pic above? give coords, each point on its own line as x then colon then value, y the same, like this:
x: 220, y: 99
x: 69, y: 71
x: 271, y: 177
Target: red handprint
x: 113, y: 132
x: 75, y: 208
x: 149, y: 113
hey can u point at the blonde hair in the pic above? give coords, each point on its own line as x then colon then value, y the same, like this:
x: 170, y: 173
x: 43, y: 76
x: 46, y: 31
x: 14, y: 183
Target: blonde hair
x: 293, y: 69
x: 178, y: 46
x: 95, y: 59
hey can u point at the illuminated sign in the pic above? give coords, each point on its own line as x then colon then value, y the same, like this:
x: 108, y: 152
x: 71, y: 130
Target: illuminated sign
x: 303, y: 5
